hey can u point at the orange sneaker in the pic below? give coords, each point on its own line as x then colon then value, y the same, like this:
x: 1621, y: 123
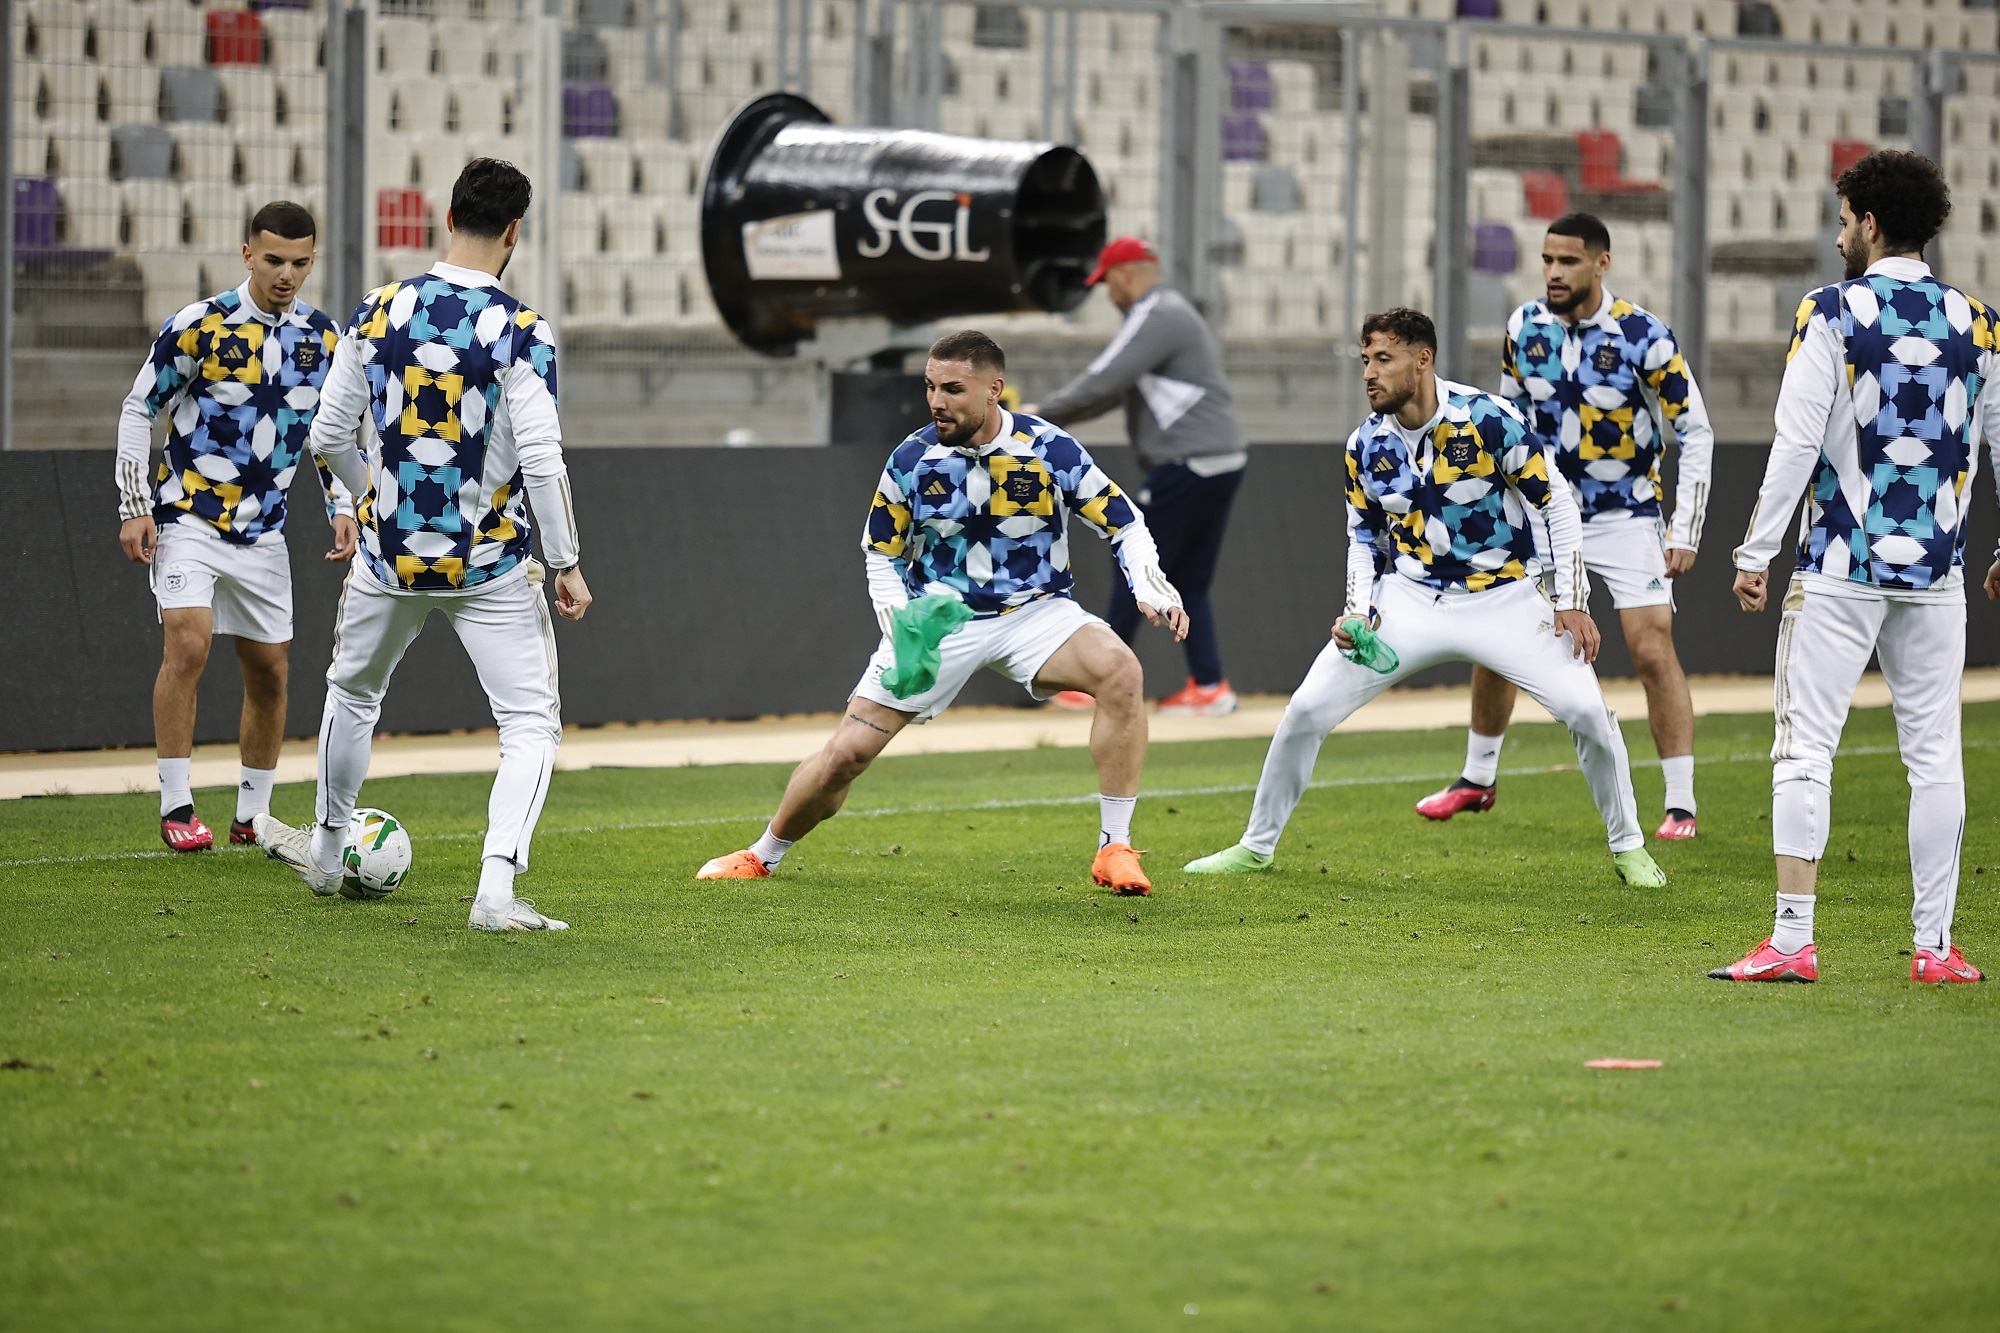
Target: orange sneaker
x: 1076, y: 701
x: 736, y: 865
x: 1117, y: 868
x: 1192, y: 700
x: 1927, y: 965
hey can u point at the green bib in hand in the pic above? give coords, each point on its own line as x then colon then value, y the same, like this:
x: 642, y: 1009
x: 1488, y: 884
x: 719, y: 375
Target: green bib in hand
x: 915, y: 631
x: 1368, y: 649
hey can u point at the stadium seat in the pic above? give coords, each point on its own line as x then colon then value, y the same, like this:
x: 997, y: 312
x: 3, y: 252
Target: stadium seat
x: 483, y: 106
x: 37, y: 211
x: 216, y: 217
x: 91, y: 209
x: 590, y: 292
x: 235, y: 37
x: 607, y: 166
x: 404, y: 46
x: 1545, y: 194
x: 189, y: 94
x: 303, y: 97
x: 590, y: 111
x: 249, y: 96
x: 402, y: 220
x: 292, y: 39
x: 643, y: 112
x: 118, y: 30
x: 410, y: 105
x: 73, y: 149
x: 265, y: 158
x: 173, y: 280
x: 203, y: 153
x: 150, y: 214
x: 175, y: 35
x: 140, y: 152
x: 434, y: 162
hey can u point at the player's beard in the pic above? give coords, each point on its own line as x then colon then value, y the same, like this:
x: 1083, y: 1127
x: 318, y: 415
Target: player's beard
x: 1395, y: 402
x: 1856, y: 265
x: 1572, y: 302
x: 954, y: 435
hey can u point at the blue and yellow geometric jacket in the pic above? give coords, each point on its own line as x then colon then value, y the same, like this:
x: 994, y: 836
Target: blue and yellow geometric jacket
x: 992, y: 524
x: 241, y: 387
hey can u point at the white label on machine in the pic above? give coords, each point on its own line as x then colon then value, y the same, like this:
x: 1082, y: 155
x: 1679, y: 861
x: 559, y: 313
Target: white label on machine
x: 796, y: 246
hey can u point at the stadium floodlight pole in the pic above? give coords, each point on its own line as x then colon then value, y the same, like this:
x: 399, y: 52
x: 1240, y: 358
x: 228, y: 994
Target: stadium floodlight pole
x: 1450, y: 245
x: 346, y: 222
x: 1931, y: 78
x: 1689, y: 207
x: 7, y: 232
x: 1350, y: 243
x: 546, y: 144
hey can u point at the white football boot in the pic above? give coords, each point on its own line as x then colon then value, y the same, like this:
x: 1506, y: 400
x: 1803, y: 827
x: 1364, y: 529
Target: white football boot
x: 293, y: 846
x: 515, y: 914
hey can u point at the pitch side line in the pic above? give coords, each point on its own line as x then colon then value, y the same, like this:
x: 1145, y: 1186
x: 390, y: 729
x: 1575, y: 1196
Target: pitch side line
x: 1019, y: 803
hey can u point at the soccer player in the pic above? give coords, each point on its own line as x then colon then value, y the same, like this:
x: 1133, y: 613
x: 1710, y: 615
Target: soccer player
x: 1888, y: 389
x: 1602, y: 379
x: 456, y: 383
x: 239, y: 376
x: 978, y: 505
x: 1439, y: 484
x: 1165, y: 369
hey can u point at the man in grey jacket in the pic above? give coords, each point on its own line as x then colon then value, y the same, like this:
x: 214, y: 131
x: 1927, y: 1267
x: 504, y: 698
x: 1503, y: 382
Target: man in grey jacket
x: 1165, y: 369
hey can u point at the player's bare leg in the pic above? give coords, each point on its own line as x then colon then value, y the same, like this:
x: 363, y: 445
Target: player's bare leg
x: 817, y: 790
x: 266, y: 672
x: 189, y: 630
x: 1649, y: 637
x: 1095, y: 661
x: 1493, y: 699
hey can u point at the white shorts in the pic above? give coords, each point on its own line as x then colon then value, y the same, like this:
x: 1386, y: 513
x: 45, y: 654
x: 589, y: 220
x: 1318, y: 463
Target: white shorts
x: 1016, y: 645
x: 1628, y: 555
x: 248, y: 589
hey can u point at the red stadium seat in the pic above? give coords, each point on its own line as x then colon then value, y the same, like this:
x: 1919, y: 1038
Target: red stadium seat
x: 1846, y: 152
x: 235, y: 37
x: 1547, y: 194
x: 402, y: 221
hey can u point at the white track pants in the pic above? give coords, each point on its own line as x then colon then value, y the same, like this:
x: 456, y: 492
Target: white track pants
x: 506, y: 632
x: 1824, y: 643
x: 1507, y: 630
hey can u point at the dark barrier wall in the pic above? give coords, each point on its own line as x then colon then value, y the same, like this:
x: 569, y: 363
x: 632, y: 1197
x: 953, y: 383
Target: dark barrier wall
x: 729, y: 584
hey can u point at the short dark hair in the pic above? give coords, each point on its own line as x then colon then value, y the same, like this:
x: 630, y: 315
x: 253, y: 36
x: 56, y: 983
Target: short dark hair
x: 1586, y: 227
x: 971, y: 346
x: 1403, y: 324
x: 283, y: 219
x: 488, y: 195
x: 1905, y: 191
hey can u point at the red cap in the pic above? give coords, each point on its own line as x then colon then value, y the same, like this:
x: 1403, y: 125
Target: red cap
x: 1123, y: 250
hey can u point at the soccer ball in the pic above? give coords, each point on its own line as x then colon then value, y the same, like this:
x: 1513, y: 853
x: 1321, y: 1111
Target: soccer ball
x: 376, y: 857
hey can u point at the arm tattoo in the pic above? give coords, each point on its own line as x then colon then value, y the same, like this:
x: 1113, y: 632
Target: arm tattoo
x: 856, y: 717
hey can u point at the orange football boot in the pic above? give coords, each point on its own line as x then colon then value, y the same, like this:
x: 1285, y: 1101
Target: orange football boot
x: 737, y: 865
x: 1117, y: 868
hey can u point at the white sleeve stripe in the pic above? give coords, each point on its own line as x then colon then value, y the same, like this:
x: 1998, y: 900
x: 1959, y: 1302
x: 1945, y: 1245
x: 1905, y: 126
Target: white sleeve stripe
x: 1126, y: 333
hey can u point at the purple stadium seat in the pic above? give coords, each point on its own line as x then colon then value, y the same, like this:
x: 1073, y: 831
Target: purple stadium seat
x: 1493, y: 248
x: 590, y: 111
x: 36, y: 207
x: 1479, y: 9
x: 1249, y: 85
x: 1242, y: 137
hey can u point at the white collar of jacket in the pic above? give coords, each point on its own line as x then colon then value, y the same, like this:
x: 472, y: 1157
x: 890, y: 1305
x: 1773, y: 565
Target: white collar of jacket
x: 247, y: 309
x: 1000, y: 441
x: 1601, y: 319
x: 463, y: 277
x: 1898, y: 268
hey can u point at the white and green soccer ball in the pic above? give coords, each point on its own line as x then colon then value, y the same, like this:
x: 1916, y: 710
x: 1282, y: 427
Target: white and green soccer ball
x: 377, y: 855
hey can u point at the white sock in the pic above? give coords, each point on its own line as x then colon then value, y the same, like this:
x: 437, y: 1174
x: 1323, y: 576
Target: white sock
x: 496, y: 882
x: 174, y: 789
x: 327, y: 845
x: 770, y: 849
x: 1482, y: 758
x: 1680, y: 782
x: 1793, y: 930
x: 1114, y: 818
x: 253, y: 792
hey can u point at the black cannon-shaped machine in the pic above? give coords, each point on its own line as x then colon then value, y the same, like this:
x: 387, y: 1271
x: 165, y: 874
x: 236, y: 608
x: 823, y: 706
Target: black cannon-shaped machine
x: 843, y: 244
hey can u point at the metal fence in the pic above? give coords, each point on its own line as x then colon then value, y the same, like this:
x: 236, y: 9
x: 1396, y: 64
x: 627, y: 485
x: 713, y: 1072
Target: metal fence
x: 1298, y: 164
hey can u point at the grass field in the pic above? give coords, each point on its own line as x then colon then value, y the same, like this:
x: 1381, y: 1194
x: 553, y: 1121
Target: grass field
x: 929, y: 1077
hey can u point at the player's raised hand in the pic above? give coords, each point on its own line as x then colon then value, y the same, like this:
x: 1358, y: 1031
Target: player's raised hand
x: 1584, y: 640
x: 1679, y: 562
x: 346, y: 536
x: 572, y: 593
x: 1752, y: 587
x: 1173, y: 618
x: 1993, y: 582
x: 139, y: 536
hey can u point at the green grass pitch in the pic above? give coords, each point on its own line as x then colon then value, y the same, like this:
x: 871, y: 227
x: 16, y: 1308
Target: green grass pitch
x: 929, y: 1077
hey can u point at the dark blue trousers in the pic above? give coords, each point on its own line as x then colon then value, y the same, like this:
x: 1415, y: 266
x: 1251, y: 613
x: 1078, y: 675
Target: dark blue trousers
x: 1186, y: 514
